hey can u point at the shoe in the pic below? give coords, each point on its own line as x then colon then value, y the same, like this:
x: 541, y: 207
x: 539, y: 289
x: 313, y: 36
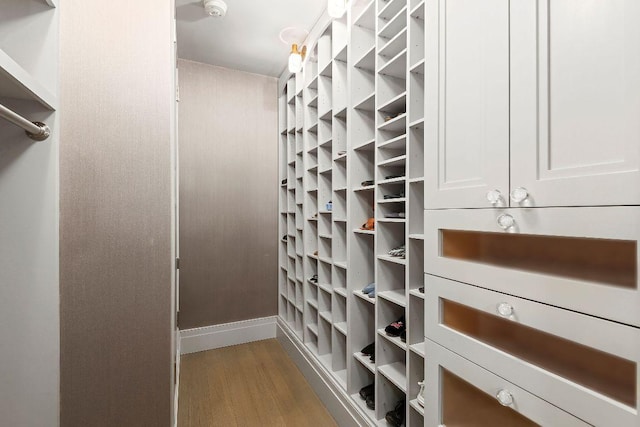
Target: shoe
x: 420, y: 396
x: 369, y: 225
x: 403, y: 336
x: 342, y: 152
x: 370, y: 287
x: 371, y: 402
x: 367, y: 183
x: 367, y: 391
x: 373, y: 358
x: 396, y: 328
x: 315, y: 253
x: 398, y: 252
x: 284, y: 181
x: 369, y: 350
x: 372, y: 294
x: 314, y: 278
x: 284, y: 238
x: 394, y: 196
x: 329, y: 206
x: 393, y: 176
x: 396, y: 416
x: 421, y: 289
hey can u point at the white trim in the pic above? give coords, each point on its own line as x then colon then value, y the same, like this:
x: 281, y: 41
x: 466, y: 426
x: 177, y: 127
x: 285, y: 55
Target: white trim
x: 216, y: 336
x: 336, y: 400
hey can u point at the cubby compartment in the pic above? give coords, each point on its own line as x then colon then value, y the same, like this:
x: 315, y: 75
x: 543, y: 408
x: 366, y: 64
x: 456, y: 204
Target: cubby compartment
x: 361, y: 377
x: 391, y: 387
x: 592, y: 257
x: 339, y: 356
x: 339, y: 85
x: 363, y: 127
x: 416, y: 320
x: 324, y: 225
x: 416, y: 153
x: 416, y: 375
x: 339, y: 249
x: 488, y: 400
x: 390, y: 235
x: 416, y: 34
x: 325, y: 248
x: 324, y: 276
x: 416, y: 89
x: 416, y: 263
x: 324, y: 341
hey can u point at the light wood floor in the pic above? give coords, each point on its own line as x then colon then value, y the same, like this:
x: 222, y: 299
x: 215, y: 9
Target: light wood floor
x: 248, y: 385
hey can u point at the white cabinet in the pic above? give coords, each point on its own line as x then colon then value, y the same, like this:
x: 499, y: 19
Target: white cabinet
x: 583, y: 259
x: 566, y: 90
x: 582, y: 364
x: 467, y: 101
x: 460, y: 393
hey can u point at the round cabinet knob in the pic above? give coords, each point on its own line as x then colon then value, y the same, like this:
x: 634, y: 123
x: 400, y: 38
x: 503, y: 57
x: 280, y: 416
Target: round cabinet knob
x: 506, y: 221
x: 519, y: 194
x: 494, y: 196
x: 505, y: 309
x: 505, y: 398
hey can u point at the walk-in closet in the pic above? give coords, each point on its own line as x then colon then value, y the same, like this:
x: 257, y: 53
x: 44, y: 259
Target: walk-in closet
x: 390, y: 213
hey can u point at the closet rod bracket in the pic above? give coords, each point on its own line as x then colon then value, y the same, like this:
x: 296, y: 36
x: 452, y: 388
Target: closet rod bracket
x: 44, y: 133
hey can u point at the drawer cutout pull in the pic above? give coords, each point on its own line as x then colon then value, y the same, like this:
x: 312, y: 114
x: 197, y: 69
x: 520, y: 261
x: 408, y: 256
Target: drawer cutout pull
x: 505, y: 310
x: 505, y: 397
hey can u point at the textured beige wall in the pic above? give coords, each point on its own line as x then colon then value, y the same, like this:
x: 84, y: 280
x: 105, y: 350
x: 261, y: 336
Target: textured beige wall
x: 228, y: 195
x: 115, y: 225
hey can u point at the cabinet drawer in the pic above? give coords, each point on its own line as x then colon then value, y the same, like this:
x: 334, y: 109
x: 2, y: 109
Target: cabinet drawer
x: 582, y: 259
x: 460, y: 393
x: 584, y: 365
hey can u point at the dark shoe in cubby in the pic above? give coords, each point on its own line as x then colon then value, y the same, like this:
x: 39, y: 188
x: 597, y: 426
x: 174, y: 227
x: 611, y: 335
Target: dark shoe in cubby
x: 371, y: 402
x: 396, y: 328
x: 396, y: 416
x: 369, y: 350
x: 367, y: 391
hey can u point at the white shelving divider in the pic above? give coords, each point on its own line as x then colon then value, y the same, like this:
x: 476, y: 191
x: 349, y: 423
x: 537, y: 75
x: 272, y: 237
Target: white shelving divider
x: 352, y: 144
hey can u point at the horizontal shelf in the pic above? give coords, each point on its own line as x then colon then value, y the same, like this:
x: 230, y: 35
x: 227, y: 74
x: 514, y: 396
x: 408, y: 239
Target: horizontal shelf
x: 364, y: 360
x: 394, y: 340
x: 313, y: 168
x: 395, y: 372
x: 325, y: 260
x: 418, y: 11
x: 396, y: 67
x: 368, y: 60
x: 326, y: 143
x: 326, y: 315
x: 327, y: 70
x: 366, y: 188
x: 415, y: 405
x: 416, y: 293
x: 397, y: 104
x: 395, y: 161
x: 341, y: 291
x: 416, y: 236
x: 366, y: 104
x: 365, y: 297
x: 395, y: 24
x: 340, y: 221
x: 399, y: 220
x: 313, y: 128
x: 418, y: 348
x: 396, y: 200
x: 366, y: 18
x: 313, y: 303
x: 390, y: 9
x: 418, y: 67
x: 326, y: 171
x: 395, y: 45
x: 16, y: 82
x: 313, y: 328
x: 340, y: 158
x: 368, y: 232
x: 313, y: 102
x: 396, y: 124
x: 397, y: 143
x: 341, y: 327
x: 340, y: 112
x: 313, y: 83
x: 416, y: 180
x: 325, y: 236
x: 417, y: 124
x: 366, y: 146
x: 341, y: 264
x: 397, y: 297
x: 325, y: 212
x: 394, y: 259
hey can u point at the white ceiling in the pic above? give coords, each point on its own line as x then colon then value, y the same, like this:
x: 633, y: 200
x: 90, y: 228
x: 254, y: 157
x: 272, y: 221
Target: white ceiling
x: 247, y: 38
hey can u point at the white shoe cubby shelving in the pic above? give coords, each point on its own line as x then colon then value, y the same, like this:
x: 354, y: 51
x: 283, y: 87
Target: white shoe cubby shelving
x: 351, y: 149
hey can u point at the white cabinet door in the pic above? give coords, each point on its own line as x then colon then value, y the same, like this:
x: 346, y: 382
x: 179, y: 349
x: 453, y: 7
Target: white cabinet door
x: 467, y: 102
x: 575, y: 102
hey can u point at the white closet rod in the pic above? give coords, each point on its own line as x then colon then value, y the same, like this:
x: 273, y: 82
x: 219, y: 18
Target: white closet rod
x: 35, y: 130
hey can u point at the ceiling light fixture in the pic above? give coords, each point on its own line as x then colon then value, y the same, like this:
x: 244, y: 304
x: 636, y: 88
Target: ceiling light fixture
x: 296, y: 57
x: 215, y: 8
x: 337, y: 8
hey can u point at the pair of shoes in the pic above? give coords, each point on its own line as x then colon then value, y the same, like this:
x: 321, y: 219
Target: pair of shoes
x: 314, y: 278
x: 369, y: 225
x: 393, y: 116
x: 398, y: 252
x: 368, y: 394
x: 395, y: 417
x: 370, y: 351
x: 284, y: 181
x: 394, y: 196
x: 396, y: 328
x: 369, y: 289
x: 395, y: 215
x: 421, y: 289
x: 367, y: 183
x: 420, y: 396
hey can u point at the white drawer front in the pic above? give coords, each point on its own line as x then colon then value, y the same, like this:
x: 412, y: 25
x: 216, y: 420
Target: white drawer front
x: 584, y: 365
x: 459, y: 392
x: 583, y: 259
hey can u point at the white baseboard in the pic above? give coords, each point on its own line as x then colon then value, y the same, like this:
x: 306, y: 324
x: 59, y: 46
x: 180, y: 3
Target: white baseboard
x: 336, y: 400
x: 217, y: 336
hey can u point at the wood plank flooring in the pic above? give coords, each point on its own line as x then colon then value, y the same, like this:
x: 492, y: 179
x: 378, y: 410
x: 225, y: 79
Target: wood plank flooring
x: 248, y: 385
